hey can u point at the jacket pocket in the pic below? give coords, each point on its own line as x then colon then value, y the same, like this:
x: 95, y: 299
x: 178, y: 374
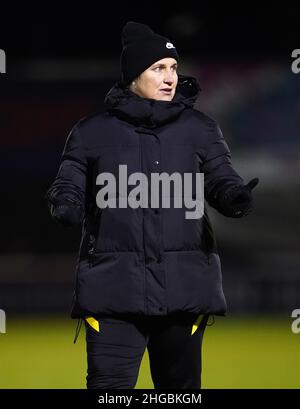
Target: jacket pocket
x: 97, y: 258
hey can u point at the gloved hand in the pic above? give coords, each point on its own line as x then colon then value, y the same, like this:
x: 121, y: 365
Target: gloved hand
x: 66, y: 210
x: 237, y: 200
x: 66, y: 214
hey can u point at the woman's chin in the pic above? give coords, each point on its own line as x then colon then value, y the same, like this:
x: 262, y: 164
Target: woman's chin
x: 165, y: 97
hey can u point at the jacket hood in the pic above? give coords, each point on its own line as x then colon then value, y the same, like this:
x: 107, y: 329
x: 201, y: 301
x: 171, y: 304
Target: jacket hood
x: 151, y: 113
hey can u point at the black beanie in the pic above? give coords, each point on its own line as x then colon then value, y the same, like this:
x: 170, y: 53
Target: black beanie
x: 142, y: 48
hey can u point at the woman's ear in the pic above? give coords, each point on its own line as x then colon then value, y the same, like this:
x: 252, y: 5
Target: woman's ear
x: 132, y: 86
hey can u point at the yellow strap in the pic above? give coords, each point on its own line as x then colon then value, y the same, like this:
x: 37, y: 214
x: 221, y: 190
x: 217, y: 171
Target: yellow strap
x: 93, y: 323
x: 197, y: 323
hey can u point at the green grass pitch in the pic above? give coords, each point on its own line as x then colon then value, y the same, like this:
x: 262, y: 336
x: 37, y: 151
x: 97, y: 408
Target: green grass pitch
x: 238, y: 352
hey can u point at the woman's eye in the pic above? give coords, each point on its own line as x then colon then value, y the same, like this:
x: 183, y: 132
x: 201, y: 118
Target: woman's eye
x: 157, y: 69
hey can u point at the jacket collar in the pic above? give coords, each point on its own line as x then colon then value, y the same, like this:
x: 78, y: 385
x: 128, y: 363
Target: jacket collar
x: 151, y: 113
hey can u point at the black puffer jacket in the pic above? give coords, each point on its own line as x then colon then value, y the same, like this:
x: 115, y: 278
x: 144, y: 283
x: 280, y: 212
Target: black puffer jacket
x: 144, y: 260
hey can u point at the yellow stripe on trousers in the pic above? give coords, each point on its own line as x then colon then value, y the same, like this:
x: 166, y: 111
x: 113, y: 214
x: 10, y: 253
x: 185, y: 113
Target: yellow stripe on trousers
x: 93, y: 323
x: 197, y: 323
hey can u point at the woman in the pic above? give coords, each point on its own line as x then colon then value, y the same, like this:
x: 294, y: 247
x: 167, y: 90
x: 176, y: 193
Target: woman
x: 146, y: 276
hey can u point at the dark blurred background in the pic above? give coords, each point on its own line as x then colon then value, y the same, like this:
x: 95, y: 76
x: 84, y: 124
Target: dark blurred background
x: 59, y: 67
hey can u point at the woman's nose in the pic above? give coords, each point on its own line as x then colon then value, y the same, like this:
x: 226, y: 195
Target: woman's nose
x: 169, y: 78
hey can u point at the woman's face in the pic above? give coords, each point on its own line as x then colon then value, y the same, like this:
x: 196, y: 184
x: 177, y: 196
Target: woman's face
x: 159, y: 81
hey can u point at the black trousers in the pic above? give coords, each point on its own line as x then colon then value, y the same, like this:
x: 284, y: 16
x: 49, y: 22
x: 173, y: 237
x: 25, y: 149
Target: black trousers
x: 116, y: 348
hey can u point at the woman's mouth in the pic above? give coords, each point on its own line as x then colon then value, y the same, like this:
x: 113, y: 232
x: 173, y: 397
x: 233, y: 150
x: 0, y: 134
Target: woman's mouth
x: 166, y: 91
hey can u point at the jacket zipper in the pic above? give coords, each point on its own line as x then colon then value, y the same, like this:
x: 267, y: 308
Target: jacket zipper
x: 95, y: 228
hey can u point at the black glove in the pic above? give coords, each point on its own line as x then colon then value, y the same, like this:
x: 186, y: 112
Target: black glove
x: 66, y: 210
x: 237, y: 200
x: 66, y: 214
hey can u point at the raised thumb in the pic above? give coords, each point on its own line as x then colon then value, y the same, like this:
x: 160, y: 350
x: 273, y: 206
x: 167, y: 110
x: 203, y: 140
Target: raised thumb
x: 253, y: 182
